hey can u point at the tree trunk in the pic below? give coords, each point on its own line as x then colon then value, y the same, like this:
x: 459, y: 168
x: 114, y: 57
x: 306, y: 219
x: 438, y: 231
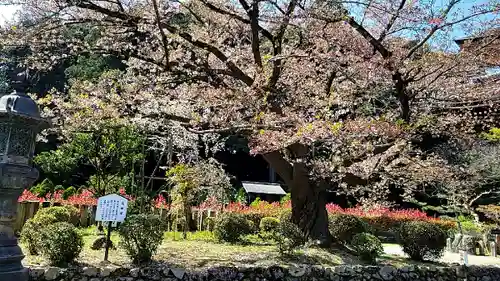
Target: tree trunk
x: 308, y: 199
x: 309, y: 206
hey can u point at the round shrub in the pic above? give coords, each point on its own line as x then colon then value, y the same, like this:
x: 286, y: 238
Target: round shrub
x: 255, y: 218
x: 288, y: 237
x: 74, y: 214
x: 31, y: 231
x: 61, y: 243
x: 141, y: 236
x: 269, y: 224
x: 285, y: 215
x: 230, y: 227
x: 367, y: 246
x: 61, y: 213
x: 422, y: 240
x: 343, y: 227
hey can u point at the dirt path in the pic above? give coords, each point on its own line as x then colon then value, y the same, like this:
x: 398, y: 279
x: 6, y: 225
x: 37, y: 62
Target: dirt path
x: 448, y: 257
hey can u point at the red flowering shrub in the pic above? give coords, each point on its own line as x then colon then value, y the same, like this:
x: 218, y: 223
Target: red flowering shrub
x: 381, y: 219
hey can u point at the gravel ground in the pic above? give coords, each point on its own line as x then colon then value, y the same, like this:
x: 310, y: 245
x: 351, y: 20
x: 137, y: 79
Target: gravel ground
x: 448, y: 257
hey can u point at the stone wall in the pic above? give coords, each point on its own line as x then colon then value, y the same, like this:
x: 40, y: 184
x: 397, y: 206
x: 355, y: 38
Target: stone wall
x: 310, y: 273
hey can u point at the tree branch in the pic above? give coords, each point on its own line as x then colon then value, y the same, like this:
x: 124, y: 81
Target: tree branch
x: 164, y: 40
x: 282, y: 167
x: 392, y: 21
x: 278, y: 41
x: 237, y: 72
x: 372, y: 40
x: 214, y: 8
x: 254, y: 18
x: 433, y: 29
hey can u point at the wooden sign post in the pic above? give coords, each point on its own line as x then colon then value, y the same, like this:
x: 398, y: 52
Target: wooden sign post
x: 112, y: 209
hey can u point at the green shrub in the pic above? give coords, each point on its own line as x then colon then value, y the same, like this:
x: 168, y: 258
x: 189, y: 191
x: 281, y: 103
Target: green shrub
x: 61, y: 213
x: 285, y: 215
x: 74, y: 214
x: 288, y: 237
x: 61, y: 243
x: 269, y: 224
x: 286, y: 198
x: 70, y: 191
x: 367, y: 246
x: 343, y: 227
x: 254, y: 218
x: 208, y: 224
x: 141, y: 236
x: 230, y: 227
x: 422, y: 240
x: 31, y: 231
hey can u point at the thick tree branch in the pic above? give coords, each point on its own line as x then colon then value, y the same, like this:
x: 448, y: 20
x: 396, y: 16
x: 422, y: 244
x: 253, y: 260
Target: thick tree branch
x: 278, y: 40
x: 221, y: 11
x: 237, y: 72
x: 372, y: 40
x: 254, y: 18
x: 164, y: 40
x: 282, y: 167
x: 392, y: 21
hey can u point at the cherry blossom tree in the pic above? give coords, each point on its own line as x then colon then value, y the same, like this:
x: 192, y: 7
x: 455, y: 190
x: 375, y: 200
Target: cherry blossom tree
x: 342, y: 94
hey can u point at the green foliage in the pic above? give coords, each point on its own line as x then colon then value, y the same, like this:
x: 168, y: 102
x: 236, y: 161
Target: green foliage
x: 286, y: 198
x: 255, y: 219
x: 209, y: 223
x: 62, y: 214
x: 141, y: 236
x: 91, y: 67
x: 230, y: 227
x: 492, y: 135
x: 422, y: 240
x: 109, y: 152
x: 367, y: 246
x: 255, y: 202
x: 469, y: 226
x: 43, y: 188
x: 74, y: 214
x: 68, y: 192
x: 286, y: 215
x: 207, y: 236
x: 31, y: 232
x: 288, y: 237
x: 61, y: 243
x: 32, y: 229
x: 241, y: 196
x: 343, y: 227
x: 269, y: 224
x: 57, y: 164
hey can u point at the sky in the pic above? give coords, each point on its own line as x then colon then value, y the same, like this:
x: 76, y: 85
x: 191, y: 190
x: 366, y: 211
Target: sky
x: 7, y: 13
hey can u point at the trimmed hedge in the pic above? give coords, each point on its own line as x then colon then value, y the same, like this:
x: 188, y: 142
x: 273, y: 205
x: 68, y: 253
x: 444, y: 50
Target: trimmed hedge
x: 141, y: 235
x: 61, y: 243
x: 343, y: 227
x: 269, y: 224
x: 230, y: 227
x: 368, y: 246
x: 422, y: 240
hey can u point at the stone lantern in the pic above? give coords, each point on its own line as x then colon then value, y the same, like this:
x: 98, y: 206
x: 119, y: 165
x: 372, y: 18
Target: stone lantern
x: 20, y: 122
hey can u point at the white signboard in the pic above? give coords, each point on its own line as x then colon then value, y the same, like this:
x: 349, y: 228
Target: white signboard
x: 112, y: 208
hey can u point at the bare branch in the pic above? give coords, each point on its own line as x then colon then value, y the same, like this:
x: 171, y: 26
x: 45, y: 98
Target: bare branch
x: 392, y: 21
x: 162, y: 33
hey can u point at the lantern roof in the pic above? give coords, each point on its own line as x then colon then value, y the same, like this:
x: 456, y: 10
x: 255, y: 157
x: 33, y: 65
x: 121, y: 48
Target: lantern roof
x: 19, y: 104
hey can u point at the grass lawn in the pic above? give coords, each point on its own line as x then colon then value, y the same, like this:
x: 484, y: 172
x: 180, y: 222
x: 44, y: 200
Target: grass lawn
x: 200, y: 250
